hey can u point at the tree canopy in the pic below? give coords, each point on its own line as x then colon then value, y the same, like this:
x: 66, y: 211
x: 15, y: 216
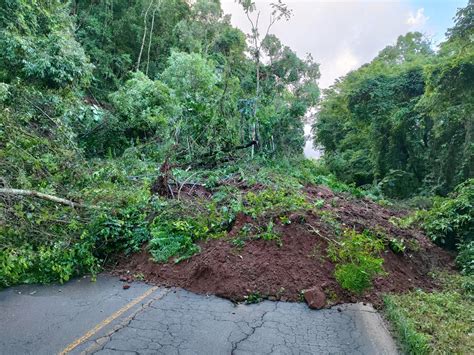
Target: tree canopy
x: 405, y: 120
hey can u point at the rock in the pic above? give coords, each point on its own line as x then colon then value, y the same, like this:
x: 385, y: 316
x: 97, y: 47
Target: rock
x: 315, y: 298
x: 126, y: 286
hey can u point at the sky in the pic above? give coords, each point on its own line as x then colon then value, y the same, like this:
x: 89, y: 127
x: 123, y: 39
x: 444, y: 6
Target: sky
x: 342, y: 35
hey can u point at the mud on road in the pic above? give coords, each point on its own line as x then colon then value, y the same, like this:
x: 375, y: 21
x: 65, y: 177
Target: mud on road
x: 282, y: 272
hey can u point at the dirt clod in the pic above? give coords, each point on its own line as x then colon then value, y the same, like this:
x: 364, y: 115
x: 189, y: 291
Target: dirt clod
x: 315, y: 298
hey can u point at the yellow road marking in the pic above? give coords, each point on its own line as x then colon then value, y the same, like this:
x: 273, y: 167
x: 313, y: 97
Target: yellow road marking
x: 106, y: 321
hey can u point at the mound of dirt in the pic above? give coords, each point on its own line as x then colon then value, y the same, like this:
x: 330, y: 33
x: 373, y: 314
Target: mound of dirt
x: 283, y: 272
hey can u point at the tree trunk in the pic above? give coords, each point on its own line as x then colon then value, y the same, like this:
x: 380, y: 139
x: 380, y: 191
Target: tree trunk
x: 144, y: 35
x: 151, y: 36
x: 20, y: 192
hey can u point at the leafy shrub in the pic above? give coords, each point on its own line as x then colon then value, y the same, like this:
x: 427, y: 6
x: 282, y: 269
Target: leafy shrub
x: 47, y: 263
x: 254, y: 297
x: 356, y: 260
x: 450, y: 223
x: 41, y: 48
x: 145, y: 107
x: 125, y: 230
x: 465, y: 258
x: 397, y: 245
x: 269, y: 233
x: 451, y: 220
x: 175, y: 239
x: 398, y: 184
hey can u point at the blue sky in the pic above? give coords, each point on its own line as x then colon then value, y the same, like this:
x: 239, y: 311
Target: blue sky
x: 439, y: 13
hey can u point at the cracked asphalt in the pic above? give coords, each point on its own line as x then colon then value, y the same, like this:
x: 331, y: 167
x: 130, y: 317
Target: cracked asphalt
x: 102, y: 318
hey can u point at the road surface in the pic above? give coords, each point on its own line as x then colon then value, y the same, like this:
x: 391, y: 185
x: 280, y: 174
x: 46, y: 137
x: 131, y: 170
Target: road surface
x: 83, y: 317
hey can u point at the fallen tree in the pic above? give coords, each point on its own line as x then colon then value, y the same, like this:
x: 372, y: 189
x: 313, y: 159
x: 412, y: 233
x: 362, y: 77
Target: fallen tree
x: 62, y: 201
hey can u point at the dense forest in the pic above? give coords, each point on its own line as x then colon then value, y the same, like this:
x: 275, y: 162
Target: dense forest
x: 85, y: 82
x: 156, y: 125
x: 405, y: 123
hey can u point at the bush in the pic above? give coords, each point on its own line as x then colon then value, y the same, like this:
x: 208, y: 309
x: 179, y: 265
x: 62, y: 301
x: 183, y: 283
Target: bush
x: 450, y: 223
x: 465, y: 258
x: 145, y: 107
x: 175, y: 239
x: 178, y: 226
x: 47, y: 263
x: 398, y: 184
x: 356, y: 260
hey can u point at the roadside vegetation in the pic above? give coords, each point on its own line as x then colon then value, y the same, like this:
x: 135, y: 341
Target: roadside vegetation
x: 405, y: 122
x: 152, y: 136
x: 435, y: 322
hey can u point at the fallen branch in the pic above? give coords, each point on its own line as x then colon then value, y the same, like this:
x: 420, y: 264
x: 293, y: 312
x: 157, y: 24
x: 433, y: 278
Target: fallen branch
x: 185, y: 181
x: 314, y: 230
x: 62, y: 201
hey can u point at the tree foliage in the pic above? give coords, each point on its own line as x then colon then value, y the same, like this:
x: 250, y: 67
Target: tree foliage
x: 405, y: 120
x: 95, y: 93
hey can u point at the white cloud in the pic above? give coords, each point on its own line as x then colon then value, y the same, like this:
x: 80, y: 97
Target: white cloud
x: 341, y: 35
x: 417, y: 19
x: 344, y: 60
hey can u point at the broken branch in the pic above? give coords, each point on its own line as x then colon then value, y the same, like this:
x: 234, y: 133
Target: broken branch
x: 62, y: 201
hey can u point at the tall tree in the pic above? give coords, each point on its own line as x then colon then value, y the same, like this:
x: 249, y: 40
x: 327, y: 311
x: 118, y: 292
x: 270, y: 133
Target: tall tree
x: 280, y: 11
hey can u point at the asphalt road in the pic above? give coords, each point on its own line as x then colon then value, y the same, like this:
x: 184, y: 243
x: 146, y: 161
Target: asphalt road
x: 102, y: 318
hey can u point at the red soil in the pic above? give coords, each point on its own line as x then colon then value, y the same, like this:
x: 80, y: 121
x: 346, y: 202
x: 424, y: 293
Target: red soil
x: 300, y: 263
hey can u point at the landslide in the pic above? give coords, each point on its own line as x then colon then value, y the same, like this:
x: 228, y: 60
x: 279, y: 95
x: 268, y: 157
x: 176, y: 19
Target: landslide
x: 281, y: 270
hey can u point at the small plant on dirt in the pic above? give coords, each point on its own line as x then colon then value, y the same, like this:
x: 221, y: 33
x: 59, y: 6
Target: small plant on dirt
x: 319, y: 203
x: 397, y: 245
x: 404, y: 222
x: 316, y: 253
x: 276, y: 201
x: 280, y: 292
x: 285, y: 220
x: 356, y: 260
x: 139, y: 276
x: 253, y: 297
x: 330, y: 219
x: 301, y: 296
x: 238, y: 243
x: 269, y: 233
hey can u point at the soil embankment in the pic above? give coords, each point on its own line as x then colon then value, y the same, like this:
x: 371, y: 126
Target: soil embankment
x: 262, y: 267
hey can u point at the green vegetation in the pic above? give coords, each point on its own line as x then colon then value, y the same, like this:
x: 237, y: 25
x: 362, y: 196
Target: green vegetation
x: 404, y: 121
x: 400, y: 129
x: 138, y: 124
x: 356, y: 260
x: 450, y: 223
x: 94, y: 96
x: 157, y: 124
x: 438, y: 322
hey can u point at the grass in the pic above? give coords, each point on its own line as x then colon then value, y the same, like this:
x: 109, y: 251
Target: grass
x: 439, y: 322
